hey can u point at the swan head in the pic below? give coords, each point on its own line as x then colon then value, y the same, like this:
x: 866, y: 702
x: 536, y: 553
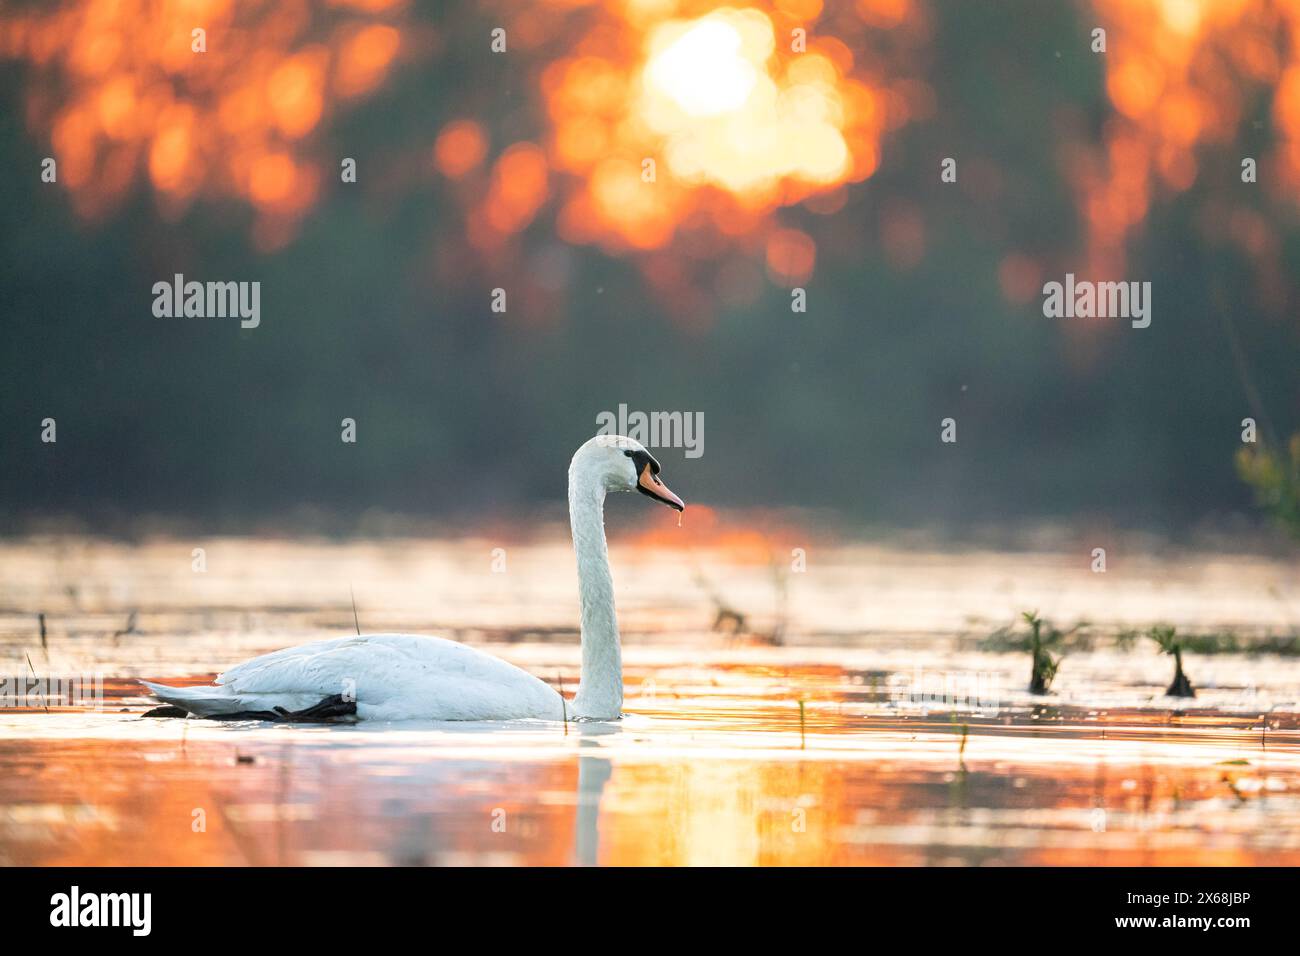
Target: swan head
x: 618, y: 463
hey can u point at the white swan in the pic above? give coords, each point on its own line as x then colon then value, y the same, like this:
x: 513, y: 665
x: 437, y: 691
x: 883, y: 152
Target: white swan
x: 406, y: 677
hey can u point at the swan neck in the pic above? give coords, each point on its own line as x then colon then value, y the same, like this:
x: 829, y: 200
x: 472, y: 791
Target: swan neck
x: 600, y: 687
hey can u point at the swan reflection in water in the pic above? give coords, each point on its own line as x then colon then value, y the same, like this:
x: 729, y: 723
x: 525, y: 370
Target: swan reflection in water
x: 594, y: 772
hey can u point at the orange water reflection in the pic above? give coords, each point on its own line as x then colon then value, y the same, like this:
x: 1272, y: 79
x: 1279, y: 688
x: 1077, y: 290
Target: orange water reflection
x: 685, y: 789
x: 715, y: 762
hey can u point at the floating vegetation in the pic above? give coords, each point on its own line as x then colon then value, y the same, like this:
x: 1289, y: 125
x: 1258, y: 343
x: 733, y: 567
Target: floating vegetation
x: 132, y: 626
x: 1007, y: 640
x: 1169, y: 643
x: 735, y: 623
x: 1223, y: 642
x: 1232, y: 785
x: 1083, y: 637
x: 1048, y: 645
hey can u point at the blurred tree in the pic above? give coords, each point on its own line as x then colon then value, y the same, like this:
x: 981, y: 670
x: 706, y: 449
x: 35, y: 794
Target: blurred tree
x: 1275, y: 477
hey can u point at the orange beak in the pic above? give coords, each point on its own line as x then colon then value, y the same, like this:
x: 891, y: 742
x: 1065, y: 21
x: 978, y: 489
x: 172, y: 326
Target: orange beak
x: 649, y: 484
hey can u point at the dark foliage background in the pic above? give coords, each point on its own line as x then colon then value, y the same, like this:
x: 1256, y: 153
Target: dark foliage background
x: 463, y: 411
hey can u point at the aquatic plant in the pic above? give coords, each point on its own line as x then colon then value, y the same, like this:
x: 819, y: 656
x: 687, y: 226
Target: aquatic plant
x: 34, y: 677
x: 961, y: 749
x: 1169, y: 643
x: 132, y: 621
x: 735, y: 623
x: 1044, y: 665
x: 1040, y: 641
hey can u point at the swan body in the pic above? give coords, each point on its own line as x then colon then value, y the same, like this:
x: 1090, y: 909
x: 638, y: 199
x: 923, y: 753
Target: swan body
x: 388, y: 676
x: 410, y: 677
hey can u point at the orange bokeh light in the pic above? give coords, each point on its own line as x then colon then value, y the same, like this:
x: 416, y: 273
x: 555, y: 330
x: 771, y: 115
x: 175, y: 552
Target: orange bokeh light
x: 666, y: 124
x: 791, y: 255
x: 518, y: 189
x: 296, y: 94
x: 460, y: 148
x: 365, y: 58
x: 1174, y: 73
x: 126, y: 86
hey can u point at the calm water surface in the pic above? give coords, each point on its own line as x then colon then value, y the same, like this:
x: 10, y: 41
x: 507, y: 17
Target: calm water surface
x: 911, y: 745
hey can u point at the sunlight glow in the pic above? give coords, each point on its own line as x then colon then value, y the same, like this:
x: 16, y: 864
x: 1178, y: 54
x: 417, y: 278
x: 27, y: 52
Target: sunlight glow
x: 705, y: 71
x: 726, y: 119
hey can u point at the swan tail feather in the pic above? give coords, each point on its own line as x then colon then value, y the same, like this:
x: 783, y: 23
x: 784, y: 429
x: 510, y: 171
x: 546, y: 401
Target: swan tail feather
x: 210, y: 701
x: 220, y: 703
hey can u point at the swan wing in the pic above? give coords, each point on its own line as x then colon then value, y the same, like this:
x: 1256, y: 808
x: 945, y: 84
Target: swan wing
x: 394, y: 677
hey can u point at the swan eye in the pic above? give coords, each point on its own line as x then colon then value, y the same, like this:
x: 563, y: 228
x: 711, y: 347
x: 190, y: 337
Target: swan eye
x: 640, y: 459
